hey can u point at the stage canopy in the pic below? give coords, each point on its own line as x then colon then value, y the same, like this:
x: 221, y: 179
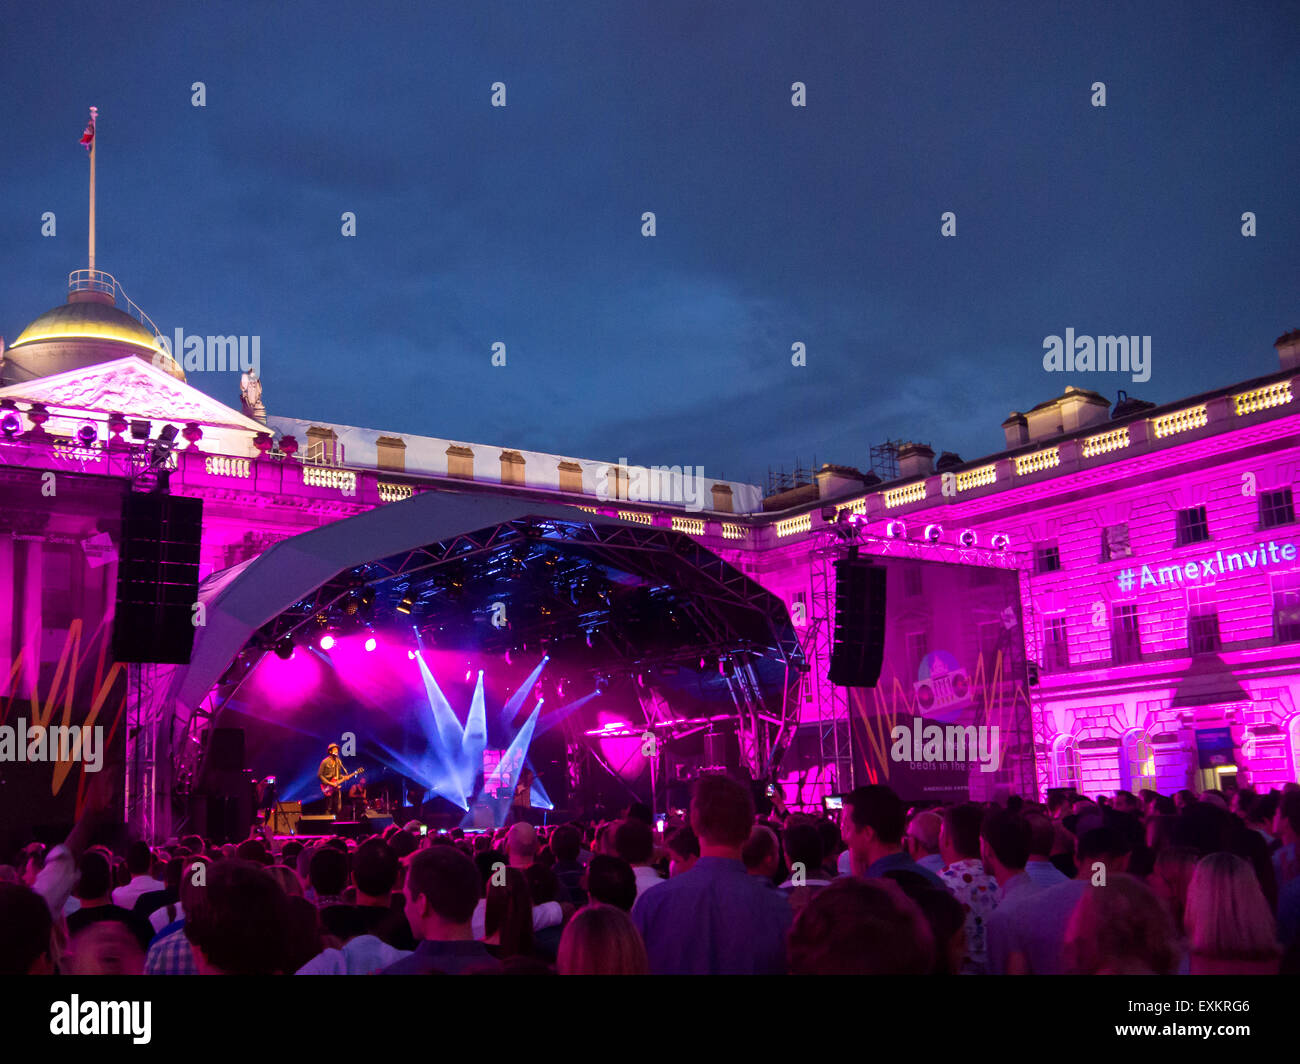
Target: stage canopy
x: 603, y: 596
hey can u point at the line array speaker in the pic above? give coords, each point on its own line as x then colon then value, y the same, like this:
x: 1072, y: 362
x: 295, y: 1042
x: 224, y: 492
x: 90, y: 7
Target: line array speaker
x: 858, y: 649
x: 157, y: 579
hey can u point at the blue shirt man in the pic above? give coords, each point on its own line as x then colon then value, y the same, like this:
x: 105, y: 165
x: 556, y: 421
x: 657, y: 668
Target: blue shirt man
x: 716, y: 919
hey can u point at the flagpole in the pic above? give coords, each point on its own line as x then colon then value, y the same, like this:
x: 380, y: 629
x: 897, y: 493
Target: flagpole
x: 95, y: 123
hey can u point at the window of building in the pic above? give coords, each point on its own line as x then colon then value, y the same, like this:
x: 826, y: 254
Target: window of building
x: 1286, y: 607
x: 1276, y: 508
x: 918, y: 646
x: 1125, y: 639
x: 1047, y: 557
x: 1056, y: 646
x: 1114, y: 543
x: 1193, y: 526
x: 1137, y: 763
x: 1203, y: 631
x: 1065, y: 762
x: 912, y: 585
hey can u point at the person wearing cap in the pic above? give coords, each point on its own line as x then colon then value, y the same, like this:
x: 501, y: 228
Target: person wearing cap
x: 329, y: 774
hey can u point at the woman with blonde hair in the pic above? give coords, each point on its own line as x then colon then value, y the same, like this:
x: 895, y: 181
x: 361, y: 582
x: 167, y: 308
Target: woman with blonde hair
x: 1121, y: 929
x: 1230, y: 928
x: 602, y: 940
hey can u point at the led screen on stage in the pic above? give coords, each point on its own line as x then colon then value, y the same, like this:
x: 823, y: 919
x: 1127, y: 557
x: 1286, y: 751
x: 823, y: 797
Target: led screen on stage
x: 949, y: 716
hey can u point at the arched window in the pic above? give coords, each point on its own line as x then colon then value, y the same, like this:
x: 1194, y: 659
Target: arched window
x: 1137, y: 762
x: 1293, y: 733
x: 1065, y: 762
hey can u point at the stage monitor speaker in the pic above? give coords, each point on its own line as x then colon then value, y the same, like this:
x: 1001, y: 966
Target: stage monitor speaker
x: 859, y: 639
x: 315, y: 825
x: 157, y: 579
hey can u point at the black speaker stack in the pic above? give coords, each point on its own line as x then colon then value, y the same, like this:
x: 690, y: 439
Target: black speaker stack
x: 157, y: 579
x: 858, y: 649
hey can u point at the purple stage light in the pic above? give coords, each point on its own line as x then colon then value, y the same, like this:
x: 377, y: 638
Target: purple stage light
x: 327, y: 642
x: 371, y: 643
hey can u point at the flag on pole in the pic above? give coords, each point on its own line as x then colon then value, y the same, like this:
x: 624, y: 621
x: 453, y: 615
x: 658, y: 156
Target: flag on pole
x: 88, y: 137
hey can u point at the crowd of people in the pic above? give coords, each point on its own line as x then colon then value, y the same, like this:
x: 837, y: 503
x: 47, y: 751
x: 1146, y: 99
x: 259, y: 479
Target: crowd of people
x: 1114, y: 884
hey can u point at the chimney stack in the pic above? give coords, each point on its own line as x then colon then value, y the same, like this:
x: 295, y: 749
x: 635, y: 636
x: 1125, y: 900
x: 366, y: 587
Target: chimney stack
x: 1017, y: 429
x: 915, y: 460
x: 1288, y: 349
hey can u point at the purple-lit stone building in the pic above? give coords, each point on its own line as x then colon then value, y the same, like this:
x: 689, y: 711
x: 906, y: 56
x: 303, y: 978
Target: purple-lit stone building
x: 1155, y: 549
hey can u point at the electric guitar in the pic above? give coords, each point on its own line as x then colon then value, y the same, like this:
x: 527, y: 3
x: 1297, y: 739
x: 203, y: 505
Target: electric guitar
x: 330, y: 789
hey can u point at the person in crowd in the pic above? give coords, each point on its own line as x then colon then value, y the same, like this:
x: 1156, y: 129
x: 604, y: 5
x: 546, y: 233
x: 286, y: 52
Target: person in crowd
x: 26, y: 932
x: 683, y: 851
x: 832, y: 844
x: 358, y: 951
x: 170, y: 952
x: 288, y: 880
x: 375, y: 871
x: 442, y: 891
x: 1042, y: 838
x: 861, y: 927
x: 872, y: 823
x: 1037, y: 936
x: 715, y: 919
x: 634, y: 842
x: 601, y: 940
x: 94, y: 891
x: 921, y: 840
x: 1004, y: 850
x: 105, y: 947
x: 1230, y: 927
x: 1286, y: 829
x: 761, y: 854
x: 964, y: 875
x: 566, y: 845
x: 508, y: 916
x: 243, y: 924
x: 1169, y: 880
x: 944, y: 914
x: 611, y: 881
x: 1120, y: 929
x: 328, y: 876
x: 162, y: 907
x: 804, y: 856
x: 140, y: 864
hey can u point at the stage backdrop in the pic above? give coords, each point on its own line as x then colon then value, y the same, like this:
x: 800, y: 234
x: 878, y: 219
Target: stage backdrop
x: 949, y: 717
x: 58, y: 585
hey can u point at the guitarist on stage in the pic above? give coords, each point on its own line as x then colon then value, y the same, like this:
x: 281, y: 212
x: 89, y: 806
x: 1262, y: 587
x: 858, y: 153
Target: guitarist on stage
x: 331, y: 776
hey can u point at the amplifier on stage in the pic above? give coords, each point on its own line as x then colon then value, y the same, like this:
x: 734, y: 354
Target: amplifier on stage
x: 285, y: 817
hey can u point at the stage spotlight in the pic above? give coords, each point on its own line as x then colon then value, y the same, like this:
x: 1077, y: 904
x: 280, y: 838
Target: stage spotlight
x: 933, y: 532
x: 371, y: 643
x: 327, y: 642
x: 284, y: 649
x: 408, y: 600
x: 87, y: 435
x: 896, y: 530
x: 11, y: 424
x: 1001, y: 541
x: 967, y: 538
x: 140, y: 430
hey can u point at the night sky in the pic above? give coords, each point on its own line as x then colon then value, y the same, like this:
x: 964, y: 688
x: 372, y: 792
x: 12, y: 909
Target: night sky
x: 776, y: 224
